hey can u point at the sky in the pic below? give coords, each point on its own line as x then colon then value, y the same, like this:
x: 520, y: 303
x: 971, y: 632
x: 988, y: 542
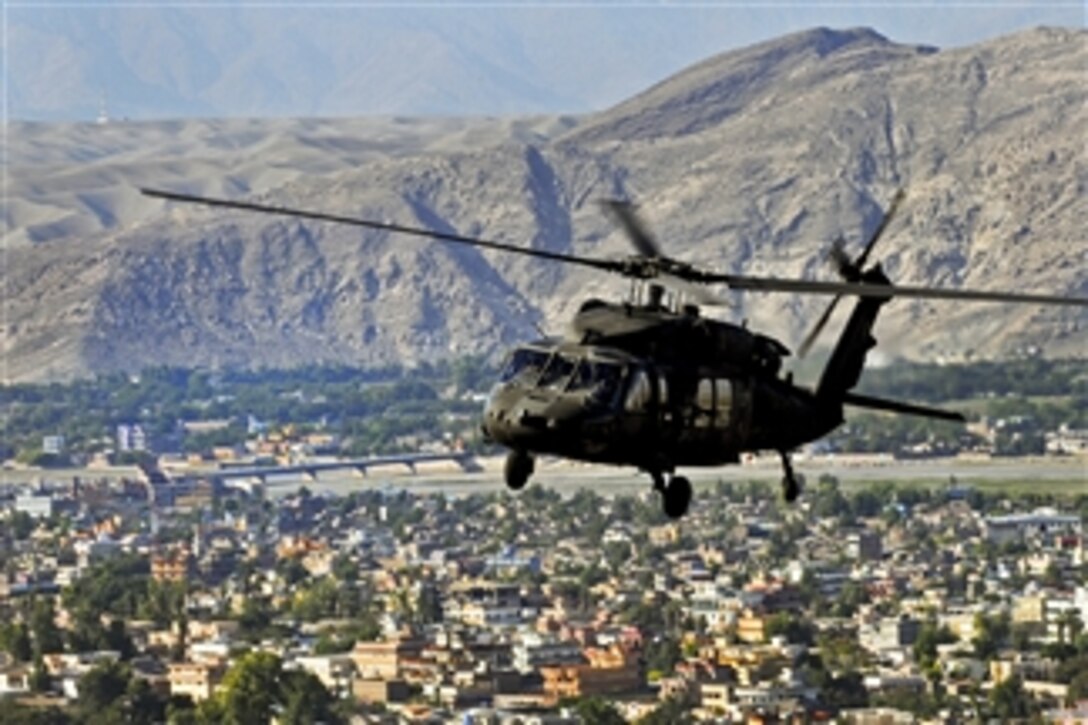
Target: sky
x: 66, y: 60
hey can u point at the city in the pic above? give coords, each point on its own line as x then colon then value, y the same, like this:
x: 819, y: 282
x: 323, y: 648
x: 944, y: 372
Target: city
x: 864, y: 603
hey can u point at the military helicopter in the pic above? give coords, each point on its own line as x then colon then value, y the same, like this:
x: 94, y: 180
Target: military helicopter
x: 650, y: 382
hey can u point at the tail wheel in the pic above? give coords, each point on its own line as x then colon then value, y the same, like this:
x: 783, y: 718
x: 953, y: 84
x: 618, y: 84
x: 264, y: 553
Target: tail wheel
x: 677, y: 497
x: 519, y: 467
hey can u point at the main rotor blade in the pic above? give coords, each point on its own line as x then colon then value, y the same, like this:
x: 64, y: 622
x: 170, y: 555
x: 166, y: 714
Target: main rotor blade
x: 625, y: 214
x: 607, y: 265
x: 698, y: 294
x: 859, y: 289
x: 633, y: 267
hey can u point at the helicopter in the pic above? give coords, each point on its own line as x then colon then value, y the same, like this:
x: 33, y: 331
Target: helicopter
x: 651, y: 382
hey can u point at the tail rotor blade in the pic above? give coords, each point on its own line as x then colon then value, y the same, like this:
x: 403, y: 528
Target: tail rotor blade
x: 818, y: 328
x: 849, y: 270
x: 859, y: 263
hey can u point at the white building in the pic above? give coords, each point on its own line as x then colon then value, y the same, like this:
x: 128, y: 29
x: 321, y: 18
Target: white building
x: 131, y: 438
x: 1043, y: 523
x: 53, y: 444
x: 38, y: 506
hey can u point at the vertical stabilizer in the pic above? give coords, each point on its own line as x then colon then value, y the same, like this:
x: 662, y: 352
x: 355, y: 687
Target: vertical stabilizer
x: 843, y: 370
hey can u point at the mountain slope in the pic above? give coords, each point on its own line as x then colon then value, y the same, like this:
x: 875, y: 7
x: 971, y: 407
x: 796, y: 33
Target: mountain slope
x: 751, y: 161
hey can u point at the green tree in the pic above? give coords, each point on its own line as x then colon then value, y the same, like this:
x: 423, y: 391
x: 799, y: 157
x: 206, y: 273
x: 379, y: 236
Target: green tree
x: 305, y: 700
x: 145, y: 706
x: 257, y: 687
x: 250, y: 689
x: 15, y: 640
x: 670, y: 712
x: 118, y: 586
x: 930, y: 635
x: 1078, y: 688
x: 43, y: 626
x: 846, y: 690
x: 12, y: 713
x: 597, y: 711
x: 1009, y: 701
x: 255, y: 620
x: 662, y: 654
x: 22, y: 524
x: 101, y: 689
x: 794, y: 629
x: 40, y: 681
x: 991, y: 633
x: 345, y: 569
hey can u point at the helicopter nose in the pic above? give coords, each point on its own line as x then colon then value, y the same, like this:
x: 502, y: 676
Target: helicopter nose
x: 508, y: 425
x: 517, y: 421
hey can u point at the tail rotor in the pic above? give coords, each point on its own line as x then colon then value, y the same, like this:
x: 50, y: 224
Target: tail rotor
x: 849, y: 270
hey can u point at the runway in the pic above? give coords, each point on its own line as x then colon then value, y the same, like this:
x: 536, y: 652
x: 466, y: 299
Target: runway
x: 1060, y: 475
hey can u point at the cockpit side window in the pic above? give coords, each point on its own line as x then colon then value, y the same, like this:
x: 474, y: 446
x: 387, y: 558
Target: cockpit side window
x: 557, y: 372
x: 639, y: 393
x: 600, y: 379
x: 524, y: 366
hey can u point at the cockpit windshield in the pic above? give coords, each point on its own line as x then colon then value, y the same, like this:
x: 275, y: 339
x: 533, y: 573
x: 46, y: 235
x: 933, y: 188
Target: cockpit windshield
x: 564, y: 372
x: 524, y: 366
x: 600, y: 379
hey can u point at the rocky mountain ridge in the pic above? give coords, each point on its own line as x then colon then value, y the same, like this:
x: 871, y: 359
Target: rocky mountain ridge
x: 752, y: 161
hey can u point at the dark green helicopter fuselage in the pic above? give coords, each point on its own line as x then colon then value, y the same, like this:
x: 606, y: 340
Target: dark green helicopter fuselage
x: 654, y: 388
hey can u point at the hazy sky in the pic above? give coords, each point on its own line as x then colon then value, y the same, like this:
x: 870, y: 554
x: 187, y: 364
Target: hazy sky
x: 459, y: 58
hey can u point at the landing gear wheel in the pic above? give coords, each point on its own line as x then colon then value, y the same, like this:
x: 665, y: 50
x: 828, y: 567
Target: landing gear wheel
x: 676, y: 497
x: 519, y: 467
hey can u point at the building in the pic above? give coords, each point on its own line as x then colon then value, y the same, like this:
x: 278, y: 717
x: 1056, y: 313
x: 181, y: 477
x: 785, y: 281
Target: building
x: 14, y: 681
x: 195, y: 680
x: 535, y: 651
x: 334, y: 671
x: 715, y: 697
x: 1060, y: 530
x: 485, y: 604
x: 605, y: 672
x: 373, y: 690
x: 171, y: 567
x: 865, y: 546
x: 752, y: 628
x: 53, y: 444
x: 878, y: 716
x: 889, y: 634
x: 38, y: 507
x: 131, y: 438
x: 384, y: 660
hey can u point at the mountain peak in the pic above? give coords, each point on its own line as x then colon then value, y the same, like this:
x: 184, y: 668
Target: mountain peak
x: 711, y: 91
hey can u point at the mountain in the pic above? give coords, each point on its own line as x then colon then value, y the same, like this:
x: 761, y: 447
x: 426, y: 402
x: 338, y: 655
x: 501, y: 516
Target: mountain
x: 150, y: 61
x: 751, y: 161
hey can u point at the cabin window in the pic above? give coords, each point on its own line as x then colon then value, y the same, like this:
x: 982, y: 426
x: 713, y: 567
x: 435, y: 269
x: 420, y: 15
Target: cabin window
x: 723, y: 396
x: 524, y: 366
x: 704, y: 397
x: 713, y: 400
x: 640, y: 392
